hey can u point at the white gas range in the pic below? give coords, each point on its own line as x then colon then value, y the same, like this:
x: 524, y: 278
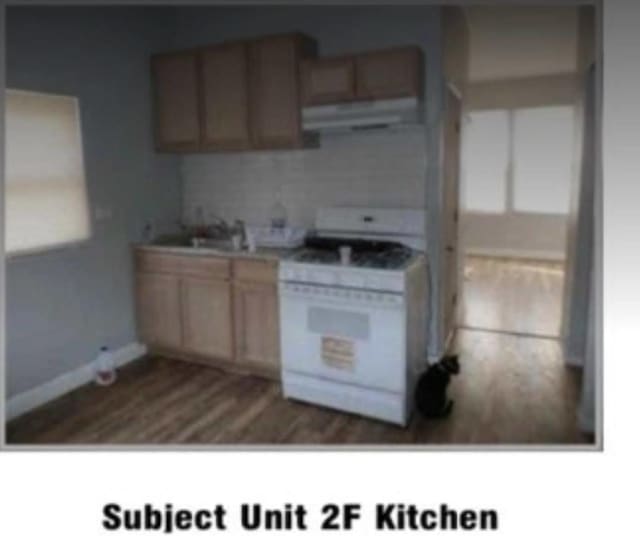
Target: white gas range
x: 353, y: 335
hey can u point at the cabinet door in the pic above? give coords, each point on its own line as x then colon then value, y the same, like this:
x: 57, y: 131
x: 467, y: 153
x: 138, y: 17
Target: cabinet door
x: 329, y: 80
x: 158, y: 309
x: 274, y: 92
x: 257, y: 330
x: 206, y: 317
x: 177, y: 122
x: 225, y: 101
x: 393, y: 73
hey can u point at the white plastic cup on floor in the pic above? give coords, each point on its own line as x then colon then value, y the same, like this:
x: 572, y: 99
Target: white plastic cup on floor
x: 105, y: 368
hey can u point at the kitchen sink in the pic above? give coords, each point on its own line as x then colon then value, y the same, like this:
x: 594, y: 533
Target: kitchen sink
x: 215, y: 244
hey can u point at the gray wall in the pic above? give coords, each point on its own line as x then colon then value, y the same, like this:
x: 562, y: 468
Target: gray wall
x: 338, y: 29
x: 62, y: 305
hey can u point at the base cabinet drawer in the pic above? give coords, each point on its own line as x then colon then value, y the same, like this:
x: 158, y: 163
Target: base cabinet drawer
x: 250, y: 270
x: 193, y: 266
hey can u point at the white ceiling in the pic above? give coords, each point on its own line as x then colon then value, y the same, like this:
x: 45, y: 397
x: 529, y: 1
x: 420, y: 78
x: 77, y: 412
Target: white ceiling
x: 509, y: 42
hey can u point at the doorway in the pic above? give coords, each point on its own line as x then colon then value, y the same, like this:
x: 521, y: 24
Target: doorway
x: 514, y: 211
x: 517, y: 273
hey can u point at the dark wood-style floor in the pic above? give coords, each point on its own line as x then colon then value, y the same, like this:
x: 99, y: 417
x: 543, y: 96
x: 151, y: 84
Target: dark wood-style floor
x: 511, y: 390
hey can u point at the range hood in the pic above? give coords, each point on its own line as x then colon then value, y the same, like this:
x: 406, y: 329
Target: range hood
x: 362, y: 115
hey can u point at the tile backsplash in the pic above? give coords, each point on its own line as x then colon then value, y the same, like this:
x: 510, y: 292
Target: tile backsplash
x: 383, y: 168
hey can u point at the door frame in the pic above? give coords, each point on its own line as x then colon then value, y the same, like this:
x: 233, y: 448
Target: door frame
x: 452, y: 96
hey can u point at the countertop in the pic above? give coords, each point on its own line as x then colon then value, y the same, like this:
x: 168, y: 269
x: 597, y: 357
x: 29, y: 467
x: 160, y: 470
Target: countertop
x: 260, y: 253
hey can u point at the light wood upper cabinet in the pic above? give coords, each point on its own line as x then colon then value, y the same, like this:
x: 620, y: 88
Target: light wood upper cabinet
x: 206, y: 317
x: 274, y: 90
x: 233, y: 96
x: 257, y: 335
x: 328, y: 80
x: 225, y: 97
x: 158, y: 309
x: 176, y: 101
x: 391, y: 73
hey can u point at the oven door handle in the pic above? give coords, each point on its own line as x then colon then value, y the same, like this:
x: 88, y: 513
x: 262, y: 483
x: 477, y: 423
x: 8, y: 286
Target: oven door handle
x: 354, y: 298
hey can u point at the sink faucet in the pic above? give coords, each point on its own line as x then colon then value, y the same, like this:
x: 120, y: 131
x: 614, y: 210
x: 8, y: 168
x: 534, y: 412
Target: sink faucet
x: 219, y: 227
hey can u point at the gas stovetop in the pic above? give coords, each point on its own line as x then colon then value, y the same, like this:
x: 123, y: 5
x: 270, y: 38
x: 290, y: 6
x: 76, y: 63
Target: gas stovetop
x: 364, y: 253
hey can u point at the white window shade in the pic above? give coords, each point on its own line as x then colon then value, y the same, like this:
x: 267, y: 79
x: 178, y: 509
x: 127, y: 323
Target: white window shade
x: 543, y: 149
x: 486, y: 157
x: 46, y: 195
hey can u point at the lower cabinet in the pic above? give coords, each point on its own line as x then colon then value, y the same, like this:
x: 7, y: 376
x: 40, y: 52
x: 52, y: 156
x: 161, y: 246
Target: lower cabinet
x: 197, y: 309
x: 206, y: 317
x: 158, y: 299
x: 256, y: 319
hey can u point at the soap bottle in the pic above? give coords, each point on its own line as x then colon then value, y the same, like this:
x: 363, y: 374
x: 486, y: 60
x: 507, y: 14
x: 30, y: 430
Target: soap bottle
x: 278, y: 216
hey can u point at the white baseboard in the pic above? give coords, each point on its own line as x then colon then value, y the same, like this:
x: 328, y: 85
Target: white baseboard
x: 33, y: 398
x: 518, y: 254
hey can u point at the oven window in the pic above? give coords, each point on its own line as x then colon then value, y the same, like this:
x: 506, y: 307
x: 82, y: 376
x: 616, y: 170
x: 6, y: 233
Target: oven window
x: 338, y: 323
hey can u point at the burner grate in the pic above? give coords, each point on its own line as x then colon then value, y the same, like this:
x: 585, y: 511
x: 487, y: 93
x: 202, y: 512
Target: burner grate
x: 379, y: 256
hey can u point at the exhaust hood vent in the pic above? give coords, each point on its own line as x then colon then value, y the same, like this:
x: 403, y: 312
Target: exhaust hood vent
x: 373, y: 115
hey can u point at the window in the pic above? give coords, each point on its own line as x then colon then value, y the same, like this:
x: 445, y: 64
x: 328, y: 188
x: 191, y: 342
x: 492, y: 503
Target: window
x: 46, y: 195
x: 518, y: 160
x: 543, y: 151
x: 486, y: 157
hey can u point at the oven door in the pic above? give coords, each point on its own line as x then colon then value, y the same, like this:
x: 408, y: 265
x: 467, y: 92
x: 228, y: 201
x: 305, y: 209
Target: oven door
x: 351, y: 336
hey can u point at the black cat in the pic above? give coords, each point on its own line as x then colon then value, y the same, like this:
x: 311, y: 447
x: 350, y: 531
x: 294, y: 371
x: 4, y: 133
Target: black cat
x: 431, y: 391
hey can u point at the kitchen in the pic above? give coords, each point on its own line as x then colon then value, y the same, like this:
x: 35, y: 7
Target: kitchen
x: 173, y: 151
